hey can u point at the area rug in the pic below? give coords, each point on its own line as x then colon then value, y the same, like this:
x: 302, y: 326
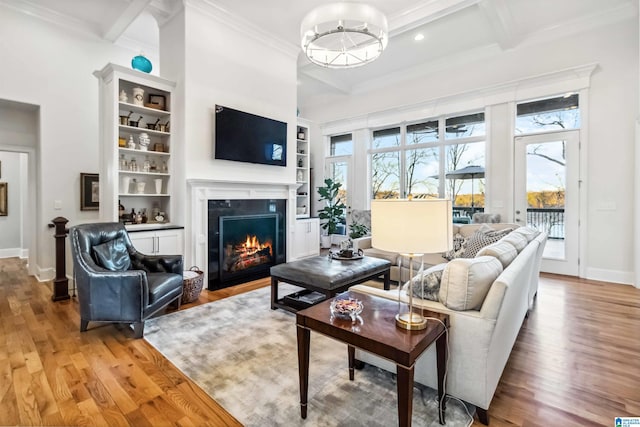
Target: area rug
x: 244, y: 355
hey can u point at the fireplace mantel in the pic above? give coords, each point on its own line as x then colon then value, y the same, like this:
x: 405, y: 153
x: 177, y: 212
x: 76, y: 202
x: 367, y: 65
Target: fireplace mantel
x: 200, y: 191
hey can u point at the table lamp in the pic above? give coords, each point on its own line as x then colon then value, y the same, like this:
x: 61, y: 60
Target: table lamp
x: 411, y: 228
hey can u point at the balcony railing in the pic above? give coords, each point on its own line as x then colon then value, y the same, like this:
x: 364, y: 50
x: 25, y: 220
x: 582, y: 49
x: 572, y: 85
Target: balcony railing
x: 550, y: 220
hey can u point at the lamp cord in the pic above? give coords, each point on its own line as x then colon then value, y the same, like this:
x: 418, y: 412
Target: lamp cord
x: 446, y: 371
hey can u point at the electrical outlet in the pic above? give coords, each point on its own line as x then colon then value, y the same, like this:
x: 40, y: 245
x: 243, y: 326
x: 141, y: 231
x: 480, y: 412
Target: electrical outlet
x: 57, y: 204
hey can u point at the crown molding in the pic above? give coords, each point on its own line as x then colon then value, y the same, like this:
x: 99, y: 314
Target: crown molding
x: 228, y: 18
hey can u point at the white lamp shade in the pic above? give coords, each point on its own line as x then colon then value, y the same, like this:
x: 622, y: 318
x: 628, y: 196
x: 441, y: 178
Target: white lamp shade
x: 412, y: 226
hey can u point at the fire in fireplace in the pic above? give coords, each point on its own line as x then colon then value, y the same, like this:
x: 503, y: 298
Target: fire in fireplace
x: 246, y: 245
x: 246, y: 254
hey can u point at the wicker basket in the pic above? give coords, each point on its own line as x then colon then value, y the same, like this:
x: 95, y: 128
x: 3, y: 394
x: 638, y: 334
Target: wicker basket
x: 192, y: 284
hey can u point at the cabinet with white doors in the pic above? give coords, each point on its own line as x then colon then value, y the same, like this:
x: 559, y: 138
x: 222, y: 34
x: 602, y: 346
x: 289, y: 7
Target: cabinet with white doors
x: 158, y: 242
x: 306, y: 238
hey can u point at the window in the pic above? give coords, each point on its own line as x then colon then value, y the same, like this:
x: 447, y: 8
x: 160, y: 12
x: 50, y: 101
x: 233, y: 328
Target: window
x: 415, y: 160
x: 549, y: 114
x: 341, y: 145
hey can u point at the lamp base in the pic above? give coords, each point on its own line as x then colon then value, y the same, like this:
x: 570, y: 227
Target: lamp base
x: 411, y: 321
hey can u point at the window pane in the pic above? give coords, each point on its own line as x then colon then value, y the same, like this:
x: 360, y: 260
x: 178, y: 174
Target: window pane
x: 385, y: 175
x: 341, y: 145
x: 466, y: 191
x: 338, y: 171
x: 422, y: 132
x: 548, y: 114
x: 465, y: 126
x: 386, y: 138
x: 421, y: 175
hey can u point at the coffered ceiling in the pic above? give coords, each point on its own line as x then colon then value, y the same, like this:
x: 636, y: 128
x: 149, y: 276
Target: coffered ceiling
x: 452, y: 29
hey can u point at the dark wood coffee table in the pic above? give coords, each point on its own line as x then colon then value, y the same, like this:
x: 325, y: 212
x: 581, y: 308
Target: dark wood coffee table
x: 326, y: 276
x: 376, y: 333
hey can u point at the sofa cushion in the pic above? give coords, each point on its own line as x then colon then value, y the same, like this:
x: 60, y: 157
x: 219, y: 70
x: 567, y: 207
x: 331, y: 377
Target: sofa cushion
x: 427, y: 284
x: 528, y: 232
x: 392, y: 257
x: 112, y: 255
x: 459, y: 243
x: 518, y: 241
x: 466, y: 282
x: 505, y: 252
x: 484, y: 236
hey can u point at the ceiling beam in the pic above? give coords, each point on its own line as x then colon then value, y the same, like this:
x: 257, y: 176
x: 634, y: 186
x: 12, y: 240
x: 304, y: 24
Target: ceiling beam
x: 111, y: 31
x: 425, y: 12
x: 501, y: 23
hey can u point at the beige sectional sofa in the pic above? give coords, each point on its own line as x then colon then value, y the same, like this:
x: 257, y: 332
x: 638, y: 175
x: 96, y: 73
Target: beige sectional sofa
x: 490, y: 295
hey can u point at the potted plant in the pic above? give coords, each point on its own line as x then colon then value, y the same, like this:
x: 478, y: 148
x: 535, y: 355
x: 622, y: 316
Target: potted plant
x: 333, y: 210
x: 357, y: 230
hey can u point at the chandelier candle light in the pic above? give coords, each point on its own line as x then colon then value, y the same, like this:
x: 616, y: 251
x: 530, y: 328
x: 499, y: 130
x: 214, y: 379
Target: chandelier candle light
x: 344, y: 35
x: 412, y: 228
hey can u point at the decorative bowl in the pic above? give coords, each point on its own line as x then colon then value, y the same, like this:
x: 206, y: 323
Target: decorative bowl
x: 348, y: 308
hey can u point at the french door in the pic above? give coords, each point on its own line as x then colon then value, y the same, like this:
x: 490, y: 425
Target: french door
x: 547, y: 195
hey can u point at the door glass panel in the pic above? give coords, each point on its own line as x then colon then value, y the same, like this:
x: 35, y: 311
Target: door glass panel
x: 546, y: 181
x: 385, y: 175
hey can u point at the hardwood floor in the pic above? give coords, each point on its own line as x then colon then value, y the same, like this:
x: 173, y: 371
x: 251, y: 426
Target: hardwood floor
x: 576, y: 362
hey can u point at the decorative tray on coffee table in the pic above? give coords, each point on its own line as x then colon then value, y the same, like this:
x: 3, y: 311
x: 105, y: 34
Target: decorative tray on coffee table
x: 336, y: 255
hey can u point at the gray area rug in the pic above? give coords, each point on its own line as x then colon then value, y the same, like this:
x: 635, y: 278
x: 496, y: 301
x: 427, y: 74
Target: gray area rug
x: 244, y: 355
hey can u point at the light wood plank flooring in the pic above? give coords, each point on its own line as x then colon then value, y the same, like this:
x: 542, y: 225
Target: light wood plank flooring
x: 576, y: 362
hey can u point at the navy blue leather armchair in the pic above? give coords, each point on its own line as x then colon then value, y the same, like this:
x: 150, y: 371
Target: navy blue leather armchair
x: 115, y: 282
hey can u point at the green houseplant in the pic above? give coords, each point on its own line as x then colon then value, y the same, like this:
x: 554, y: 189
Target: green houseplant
x: 357, y: 230
x: 333, y: 210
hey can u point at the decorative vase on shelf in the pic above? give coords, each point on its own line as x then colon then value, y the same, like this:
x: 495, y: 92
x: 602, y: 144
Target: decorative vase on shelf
x: 125, y: 181
x: 158, y: 182
x: 140, y: 187
x: 138, y: 96
x: 141, y: 63
x: 143, y: 141
x: 123, y: 96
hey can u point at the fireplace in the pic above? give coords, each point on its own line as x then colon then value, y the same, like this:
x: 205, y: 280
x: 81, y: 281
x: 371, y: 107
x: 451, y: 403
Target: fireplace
x: 246, y: 238
x: 247, y: 244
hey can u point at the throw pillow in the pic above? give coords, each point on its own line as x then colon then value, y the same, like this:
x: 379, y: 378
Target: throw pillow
x: 427, y: 284
x: 518, y: 241
x: 459, y: 243
x: 483, y: 237
x: 528, y: 232
x: 466, y: 282
x: 113, y: 255
x: 502, y: 251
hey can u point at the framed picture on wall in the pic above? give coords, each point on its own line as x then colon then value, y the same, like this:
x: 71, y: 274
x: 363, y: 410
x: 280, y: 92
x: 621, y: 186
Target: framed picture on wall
x: 4, y: 209
x: 89, y: 192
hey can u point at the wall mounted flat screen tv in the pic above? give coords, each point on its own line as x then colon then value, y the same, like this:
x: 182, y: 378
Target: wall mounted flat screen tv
x: 245, y: 137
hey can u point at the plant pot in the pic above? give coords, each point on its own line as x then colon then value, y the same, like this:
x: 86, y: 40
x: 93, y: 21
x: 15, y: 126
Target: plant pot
x: 337, y: 238
x: 325, y: 241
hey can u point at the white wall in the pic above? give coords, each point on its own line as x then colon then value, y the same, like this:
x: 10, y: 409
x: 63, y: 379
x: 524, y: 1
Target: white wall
x: 612, y: 105
x: 51, y: 67
x: 215, y: 63
x: 10, y: 225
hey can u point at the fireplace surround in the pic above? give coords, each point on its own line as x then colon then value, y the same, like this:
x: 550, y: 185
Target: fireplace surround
x: 201, y: 191
x: 245, y: 238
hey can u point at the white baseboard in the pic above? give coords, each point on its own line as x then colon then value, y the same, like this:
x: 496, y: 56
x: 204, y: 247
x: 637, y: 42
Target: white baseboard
x: 10, y: 252
x: 45, y: 274
x: 24, y: 254
x: 614, y: 276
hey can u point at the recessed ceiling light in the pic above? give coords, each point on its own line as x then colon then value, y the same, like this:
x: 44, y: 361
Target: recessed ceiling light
x: 419, y: 37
